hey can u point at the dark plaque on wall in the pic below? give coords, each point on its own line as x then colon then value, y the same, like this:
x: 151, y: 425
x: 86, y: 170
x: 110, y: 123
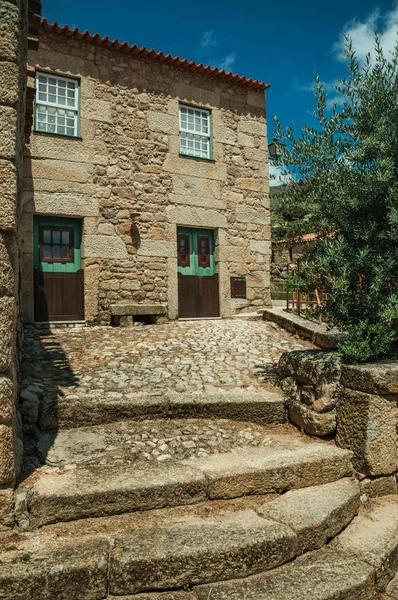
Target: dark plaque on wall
x: 238, y: 287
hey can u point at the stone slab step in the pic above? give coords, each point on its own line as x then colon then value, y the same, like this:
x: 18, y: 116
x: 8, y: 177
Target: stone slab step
x: 43, y: 569
x: 249, y: 316
x: 391, y: 591
x: 222, y: 545
x: 359, y: 564
x: 170, y: 548
x: 318, y: 334
x: 259, y: 407
x: 288, y: 461
x: 153, y: 440
x: 264, y: 408
x: 317, y: 513
x: 373, y: 538
x: 319, y: 575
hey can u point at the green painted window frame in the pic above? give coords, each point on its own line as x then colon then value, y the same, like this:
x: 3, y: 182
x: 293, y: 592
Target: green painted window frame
x: 193, y: 268
x: 64, y: 222
x: 71, y: 244
x: 36, y: 103
x: 209, y: 111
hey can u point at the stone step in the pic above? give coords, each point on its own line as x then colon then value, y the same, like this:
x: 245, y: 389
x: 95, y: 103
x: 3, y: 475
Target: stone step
x: 172, y: 548
x: 357, y: 565
x: 80, y: 410
x: 319, y: 575
x: 154, y: 440
x: 287, y: 461
x: 249, y: 316
x: 373, y: 538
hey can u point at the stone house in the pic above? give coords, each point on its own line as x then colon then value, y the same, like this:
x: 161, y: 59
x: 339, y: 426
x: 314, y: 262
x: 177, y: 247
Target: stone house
x: 145, y: 185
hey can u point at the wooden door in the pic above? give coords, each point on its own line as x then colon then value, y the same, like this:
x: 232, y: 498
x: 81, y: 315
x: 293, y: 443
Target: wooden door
x: 58, y: 276
x: 198, y: 293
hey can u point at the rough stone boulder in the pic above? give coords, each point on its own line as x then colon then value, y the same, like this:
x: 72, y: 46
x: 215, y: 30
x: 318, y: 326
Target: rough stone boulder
x: 309, y: 380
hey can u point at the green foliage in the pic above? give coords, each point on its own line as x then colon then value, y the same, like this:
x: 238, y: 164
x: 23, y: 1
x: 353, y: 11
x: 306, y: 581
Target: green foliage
x: 345, y: 181
x: 285, y: 219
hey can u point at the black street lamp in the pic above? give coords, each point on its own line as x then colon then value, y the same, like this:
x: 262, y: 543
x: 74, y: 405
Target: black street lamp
x: 273, y: 149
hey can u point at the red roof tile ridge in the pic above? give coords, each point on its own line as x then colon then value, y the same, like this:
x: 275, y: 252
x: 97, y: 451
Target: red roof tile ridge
x: 152, y: 54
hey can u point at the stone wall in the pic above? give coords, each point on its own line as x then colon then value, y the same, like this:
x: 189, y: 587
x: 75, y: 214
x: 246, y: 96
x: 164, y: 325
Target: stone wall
x: 13, y: 45
x: 127, y: 182
x: 355, y: 404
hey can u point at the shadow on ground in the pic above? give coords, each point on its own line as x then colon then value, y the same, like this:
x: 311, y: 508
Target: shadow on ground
x: 45, y: 369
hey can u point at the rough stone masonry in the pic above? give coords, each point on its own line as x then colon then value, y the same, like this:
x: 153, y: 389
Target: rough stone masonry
x: 127, y: 182
x: 13, y: 48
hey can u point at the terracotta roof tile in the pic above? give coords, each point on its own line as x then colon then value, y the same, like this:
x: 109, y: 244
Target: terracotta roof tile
x: 152, y: 54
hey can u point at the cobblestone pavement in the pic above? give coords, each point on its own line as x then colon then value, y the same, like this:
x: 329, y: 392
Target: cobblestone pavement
x: 153, y: 442
x: 210, y: 356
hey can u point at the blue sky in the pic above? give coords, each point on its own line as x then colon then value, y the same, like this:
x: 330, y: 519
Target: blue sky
x: 281, y: 42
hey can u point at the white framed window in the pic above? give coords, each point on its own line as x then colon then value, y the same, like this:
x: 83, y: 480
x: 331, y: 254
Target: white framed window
x: 57, y: 104
x: 195, y: 132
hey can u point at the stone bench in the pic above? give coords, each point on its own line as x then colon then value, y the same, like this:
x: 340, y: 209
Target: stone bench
x: 123, y: 313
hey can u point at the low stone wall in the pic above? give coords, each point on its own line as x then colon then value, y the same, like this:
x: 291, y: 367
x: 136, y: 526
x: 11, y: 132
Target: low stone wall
x: 355, y: 404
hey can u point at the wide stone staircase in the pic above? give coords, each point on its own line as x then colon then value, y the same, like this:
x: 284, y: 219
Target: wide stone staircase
x: 275, y: 521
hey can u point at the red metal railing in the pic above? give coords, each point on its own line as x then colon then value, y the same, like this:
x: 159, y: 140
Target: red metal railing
x: 300, y: 303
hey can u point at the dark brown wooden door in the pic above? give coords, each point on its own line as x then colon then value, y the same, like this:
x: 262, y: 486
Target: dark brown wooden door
x: 198, y: 292
x: 58, y: 276
x: 59, y: 296
x: 198, y: 296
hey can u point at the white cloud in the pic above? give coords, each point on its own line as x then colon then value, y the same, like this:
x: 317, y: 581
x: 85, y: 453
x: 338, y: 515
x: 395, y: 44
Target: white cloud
x: 309, y: 87
x: 208, y: 40
x: 227, y: 62
x: 275, y: 176
x: 362, y: 33
x: 332, y: 96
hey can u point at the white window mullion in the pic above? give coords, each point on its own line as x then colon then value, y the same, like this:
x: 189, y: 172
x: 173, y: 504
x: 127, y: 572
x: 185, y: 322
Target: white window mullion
x: 57, y: 104
x: 195, y: 135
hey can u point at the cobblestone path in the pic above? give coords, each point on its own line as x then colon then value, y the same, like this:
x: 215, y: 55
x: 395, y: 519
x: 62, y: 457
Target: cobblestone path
x: 182, y: 356
x: 93, y: 366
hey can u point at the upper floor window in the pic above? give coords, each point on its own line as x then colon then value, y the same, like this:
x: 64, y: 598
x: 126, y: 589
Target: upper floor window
x: 57, y: 104
x: 195, y: 132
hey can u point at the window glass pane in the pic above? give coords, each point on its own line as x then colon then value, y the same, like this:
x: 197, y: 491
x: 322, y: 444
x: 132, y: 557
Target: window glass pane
x: 54, y: 120
x: 47, y: 236
x: 56, y: 236
x: 65, y: 251
x: 60, y: 93
x: 46, y: 251
x: 65, y: 237
x: 194, y: 145
x: 56, y: 251
x: 194, y: 120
